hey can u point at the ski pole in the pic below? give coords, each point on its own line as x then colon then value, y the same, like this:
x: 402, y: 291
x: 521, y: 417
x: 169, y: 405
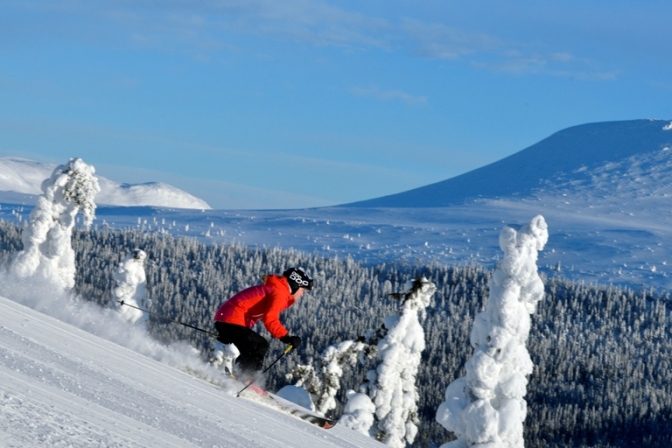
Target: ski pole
x: 287, y: 350
x: 214, y: 335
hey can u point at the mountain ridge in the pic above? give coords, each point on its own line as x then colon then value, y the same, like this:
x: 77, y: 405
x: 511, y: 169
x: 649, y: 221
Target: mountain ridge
x: 583, y: 146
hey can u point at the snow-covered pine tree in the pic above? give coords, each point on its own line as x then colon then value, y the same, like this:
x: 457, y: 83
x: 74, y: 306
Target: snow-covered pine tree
x: 391, y: 386
x: 486, y: 408
x: 130, y: 279
x: 324, y: 384
x: 358, y: 413
x: 47, y: 252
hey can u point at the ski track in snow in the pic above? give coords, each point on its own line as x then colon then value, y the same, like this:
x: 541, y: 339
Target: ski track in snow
x: 63, y: 387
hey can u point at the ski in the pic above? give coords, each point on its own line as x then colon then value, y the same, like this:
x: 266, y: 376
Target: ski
x: 256, y: 393
x: 303, y: 413
x: 291, y: 407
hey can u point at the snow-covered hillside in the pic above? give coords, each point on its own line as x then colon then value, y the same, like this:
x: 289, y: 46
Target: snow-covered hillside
x: 111, y: 386
x: 566, y: 156
x: 21, y: 180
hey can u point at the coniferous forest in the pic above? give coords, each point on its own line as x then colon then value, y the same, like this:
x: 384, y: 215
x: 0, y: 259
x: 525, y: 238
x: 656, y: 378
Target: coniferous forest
x: 602, y: 355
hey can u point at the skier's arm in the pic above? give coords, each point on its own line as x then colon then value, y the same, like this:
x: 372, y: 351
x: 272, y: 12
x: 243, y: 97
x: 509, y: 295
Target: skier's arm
x: 271, y: 320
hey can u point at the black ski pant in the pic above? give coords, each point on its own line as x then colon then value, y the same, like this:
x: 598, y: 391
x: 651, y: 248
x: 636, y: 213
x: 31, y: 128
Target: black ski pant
x: 251, y: 345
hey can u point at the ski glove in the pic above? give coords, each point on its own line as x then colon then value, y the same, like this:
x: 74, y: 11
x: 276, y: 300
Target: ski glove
x: 294, y: 341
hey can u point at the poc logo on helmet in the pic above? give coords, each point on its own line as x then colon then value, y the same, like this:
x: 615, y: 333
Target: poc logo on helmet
x: 295, y: 276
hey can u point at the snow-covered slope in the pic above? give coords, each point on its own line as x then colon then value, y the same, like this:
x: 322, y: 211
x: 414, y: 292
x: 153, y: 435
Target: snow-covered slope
x: 61, y: 386
x: 564, y: 156
x: 21, y: 180
x: 155, y: 194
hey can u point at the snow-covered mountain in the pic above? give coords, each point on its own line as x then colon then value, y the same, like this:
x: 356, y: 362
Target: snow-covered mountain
x: 21, y: 180
x: 603, y: 156
x: 112, y: 386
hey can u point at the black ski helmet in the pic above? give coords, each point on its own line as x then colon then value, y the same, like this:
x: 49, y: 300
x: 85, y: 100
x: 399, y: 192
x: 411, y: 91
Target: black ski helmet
x: 297, y: 278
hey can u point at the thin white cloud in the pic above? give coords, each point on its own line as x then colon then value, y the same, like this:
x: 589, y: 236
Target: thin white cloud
x: 314, y: 22
x: 667, y: 86
x: 320, y: 23
x: 561, y: 64
x: 387, y: 95
x: 204, y: 28
x: 484, y: 51
x: 438, y: 41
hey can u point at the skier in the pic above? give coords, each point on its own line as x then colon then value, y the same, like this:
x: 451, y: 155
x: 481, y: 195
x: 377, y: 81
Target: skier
x: 235, y: 318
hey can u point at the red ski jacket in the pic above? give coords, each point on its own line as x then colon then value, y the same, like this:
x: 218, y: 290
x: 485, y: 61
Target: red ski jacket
x: 264, y: 302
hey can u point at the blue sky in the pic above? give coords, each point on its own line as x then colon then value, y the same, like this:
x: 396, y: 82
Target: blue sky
x: 267, y: 104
